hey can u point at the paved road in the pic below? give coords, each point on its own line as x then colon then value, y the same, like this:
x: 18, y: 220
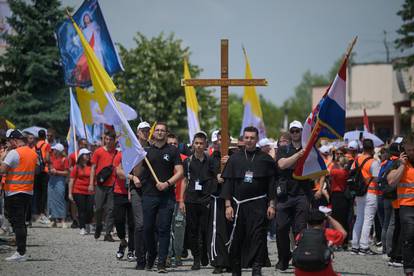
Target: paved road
x: 56, y: 251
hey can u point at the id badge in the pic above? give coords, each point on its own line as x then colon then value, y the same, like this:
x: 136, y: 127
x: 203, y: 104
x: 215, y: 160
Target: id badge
x: 248, y: 177
x: 197, y: 185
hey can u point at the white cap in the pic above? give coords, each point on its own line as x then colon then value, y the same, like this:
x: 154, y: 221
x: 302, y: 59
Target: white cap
x: 8, y: 132
x: 264, y: 142
x: 296, y: 124
x: 143, y: 125
x: 214, y: 136
x: 59, y: 147
x: 353, y: 145
x: 324, y: 149
x: 201, y: 132
x: 82, y: 152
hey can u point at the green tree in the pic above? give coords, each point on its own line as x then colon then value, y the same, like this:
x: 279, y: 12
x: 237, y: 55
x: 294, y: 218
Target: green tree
x: 406, y: 40
x: 31, y: 79
x: 151, y: 83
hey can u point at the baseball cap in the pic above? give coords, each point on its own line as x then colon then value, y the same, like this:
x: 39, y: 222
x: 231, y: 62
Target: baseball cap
x: 59, y: 147
x: 8, y: 132
x: 264, y: 142
x: 83, y: 151
x: 15, y: 134
x: 295, y: 124
x: 324, y: 149
x: 143, y: 125
x: 214, y: 136
x: 201, y: 132
x: 353, y: 145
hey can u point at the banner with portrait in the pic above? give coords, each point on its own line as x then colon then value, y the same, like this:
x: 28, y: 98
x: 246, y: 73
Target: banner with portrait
x: 90, y: 19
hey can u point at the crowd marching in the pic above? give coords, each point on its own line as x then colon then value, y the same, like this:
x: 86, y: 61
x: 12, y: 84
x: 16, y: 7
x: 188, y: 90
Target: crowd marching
x: 224, y: 209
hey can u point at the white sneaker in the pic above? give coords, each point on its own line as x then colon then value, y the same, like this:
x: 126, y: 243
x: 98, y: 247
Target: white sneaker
x: 16, y: 257
x: 82, y: 231
x: 64, y: 225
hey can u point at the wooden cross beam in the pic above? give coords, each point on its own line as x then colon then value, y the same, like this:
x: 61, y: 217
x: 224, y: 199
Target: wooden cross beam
x: 224, y: 82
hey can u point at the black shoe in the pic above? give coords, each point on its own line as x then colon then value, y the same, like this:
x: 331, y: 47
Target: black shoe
x: 282, y: 266
x: 218, y: 270
x: 109, y: 238
x: 150, y: 264
x: 196, y: 264
x: 121, y: 250
x: 140, y: 266
x: 98, y: 231
x: 74, y: 224
x: 256, y: 271
x: 204, y: 259
x: 161, y: 268
x: 184, y: 254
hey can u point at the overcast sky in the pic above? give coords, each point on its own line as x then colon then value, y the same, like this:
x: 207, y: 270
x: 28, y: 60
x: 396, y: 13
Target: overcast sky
x: 283, y: 39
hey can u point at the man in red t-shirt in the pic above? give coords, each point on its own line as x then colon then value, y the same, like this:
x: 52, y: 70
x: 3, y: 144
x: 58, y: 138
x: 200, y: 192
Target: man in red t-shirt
x: 102, y: 159
x: 334, y: 236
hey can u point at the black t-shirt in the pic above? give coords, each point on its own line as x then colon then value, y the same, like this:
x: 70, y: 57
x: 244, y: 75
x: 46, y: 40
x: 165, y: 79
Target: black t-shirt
x: 201, y: 177
x: 163, y: 161
x: 294, y: 187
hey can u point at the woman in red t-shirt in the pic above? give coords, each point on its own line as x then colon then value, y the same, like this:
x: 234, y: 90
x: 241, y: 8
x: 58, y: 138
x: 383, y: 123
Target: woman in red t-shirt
x: 59, y: 170
x: 341, y: 201
x: 78, y: 190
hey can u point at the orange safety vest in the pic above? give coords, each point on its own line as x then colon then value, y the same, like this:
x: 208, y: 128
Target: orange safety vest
x: 21, y: 178
x: 372, y: 186
x: 405, y: 189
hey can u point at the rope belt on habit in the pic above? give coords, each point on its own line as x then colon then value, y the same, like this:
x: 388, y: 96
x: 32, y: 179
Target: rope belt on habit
x: 213, y: 251
x: 238, y: 203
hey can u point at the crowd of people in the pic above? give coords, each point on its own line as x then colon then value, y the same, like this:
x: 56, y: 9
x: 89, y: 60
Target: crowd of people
x: 223, y: 209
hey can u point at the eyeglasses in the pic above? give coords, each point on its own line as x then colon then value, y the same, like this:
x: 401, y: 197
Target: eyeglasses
x: 295, y: 130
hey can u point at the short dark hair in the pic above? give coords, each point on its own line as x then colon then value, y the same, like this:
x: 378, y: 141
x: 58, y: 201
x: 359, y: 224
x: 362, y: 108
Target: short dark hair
x: 200, y: 135
x: 409, y: 139
x: 251, y: 129
x: 315, y: 217
x: 172, y: 136
x: 41, y: 134
x: 162, y: 124
x: 367, y: 145
x: 110, y: 133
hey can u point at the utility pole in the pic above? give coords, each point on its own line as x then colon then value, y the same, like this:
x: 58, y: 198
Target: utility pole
x: 387, y: 49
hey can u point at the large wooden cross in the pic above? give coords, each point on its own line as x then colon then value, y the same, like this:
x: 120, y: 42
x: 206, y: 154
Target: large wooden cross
x: 224, y: 82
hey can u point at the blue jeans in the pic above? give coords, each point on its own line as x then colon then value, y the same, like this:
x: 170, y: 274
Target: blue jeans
x: 160, y: 210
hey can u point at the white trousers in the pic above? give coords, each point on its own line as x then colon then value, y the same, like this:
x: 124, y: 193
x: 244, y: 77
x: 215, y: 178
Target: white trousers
x: 366, y: 207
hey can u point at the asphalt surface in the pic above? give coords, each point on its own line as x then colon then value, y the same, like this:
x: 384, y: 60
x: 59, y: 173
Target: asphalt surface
x: 56, y: 251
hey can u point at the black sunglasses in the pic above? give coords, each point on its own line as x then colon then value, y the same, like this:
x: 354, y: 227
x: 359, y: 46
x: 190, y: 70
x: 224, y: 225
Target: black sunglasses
x: 297, y: 130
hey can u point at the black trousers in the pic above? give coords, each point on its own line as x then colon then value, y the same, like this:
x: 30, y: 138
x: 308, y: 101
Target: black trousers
x: 396, y: 253
x: 340, y: 210
x: 40, y: 193
x: 84, y: 203
x: 123, y: 214
x: 290, y: 212
x: 17, y: 206
x: 197, y: 226
x: 407, y: 237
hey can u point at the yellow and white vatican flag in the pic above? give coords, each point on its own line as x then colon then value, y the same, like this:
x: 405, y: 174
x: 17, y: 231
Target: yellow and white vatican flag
x: 192, y: 106
x: 252, y: 115
x: 132, y: 152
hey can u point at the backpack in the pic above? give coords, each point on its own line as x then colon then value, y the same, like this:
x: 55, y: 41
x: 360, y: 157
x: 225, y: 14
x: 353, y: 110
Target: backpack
x: 389, y: 192
x: 356, y: 181
x: 41, y: 165
x: 312, y: 252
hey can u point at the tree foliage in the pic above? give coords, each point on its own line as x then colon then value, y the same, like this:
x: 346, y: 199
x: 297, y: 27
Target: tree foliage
x: 31, y: 79
x: 406, y: 40
x: 151, y: 83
